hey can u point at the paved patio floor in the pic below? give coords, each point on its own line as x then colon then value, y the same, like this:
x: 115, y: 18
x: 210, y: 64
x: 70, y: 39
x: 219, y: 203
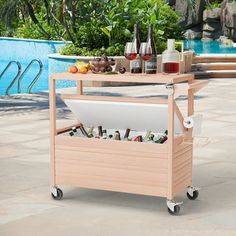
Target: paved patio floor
x: 27, y: 209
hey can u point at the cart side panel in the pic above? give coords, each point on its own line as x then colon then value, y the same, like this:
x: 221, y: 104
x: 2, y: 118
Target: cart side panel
x: 112, y: 165
x: 182, y: 167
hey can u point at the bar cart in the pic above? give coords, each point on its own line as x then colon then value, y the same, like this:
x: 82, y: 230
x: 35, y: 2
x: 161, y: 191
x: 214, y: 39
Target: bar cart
x: 134, y: 167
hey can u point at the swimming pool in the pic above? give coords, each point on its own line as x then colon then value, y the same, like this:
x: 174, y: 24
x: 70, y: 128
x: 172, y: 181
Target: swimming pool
x: 211, y: 47
x: 24, y: 50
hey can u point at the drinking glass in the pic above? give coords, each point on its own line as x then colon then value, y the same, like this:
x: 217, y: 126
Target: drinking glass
x: 130, y: 51
x: 145, y: 51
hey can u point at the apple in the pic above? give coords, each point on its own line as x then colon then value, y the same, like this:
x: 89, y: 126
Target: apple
x: 73, y: 69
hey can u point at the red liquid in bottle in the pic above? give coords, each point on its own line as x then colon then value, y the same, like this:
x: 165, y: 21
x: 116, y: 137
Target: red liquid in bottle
x: 171, y: 67
x: 146, y: 57
x: 130, y: 56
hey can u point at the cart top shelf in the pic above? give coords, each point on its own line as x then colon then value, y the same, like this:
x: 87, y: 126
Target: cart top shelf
x: 128, y: 77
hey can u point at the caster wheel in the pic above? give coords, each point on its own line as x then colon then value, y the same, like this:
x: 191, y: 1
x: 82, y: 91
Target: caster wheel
x: 176, y: 210
x: 59, y: 194
x: 195, y: 195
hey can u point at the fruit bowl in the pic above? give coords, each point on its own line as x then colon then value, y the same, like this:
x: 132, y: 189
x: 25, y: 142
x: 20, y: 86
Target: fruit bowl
x: 103, y: 65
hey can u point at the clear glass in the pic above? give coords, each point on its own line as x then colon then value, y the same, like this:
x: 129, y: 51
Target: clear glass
x: 171, y: 62
x: 130, y: 51
x: 145, y: 51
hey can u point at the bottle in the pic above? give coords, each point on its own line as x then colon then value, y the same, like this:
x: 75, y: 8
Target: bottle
x: 83, y: 131
x: 163, y: 138
x: 74, y: 130
x: 171, y: 59
x: 136, y: 64
x: 100, y: 131
x: 117, y: 135
x: 104, y: 134
x: 151, y: 65
x: 138, y: 138
x: 126, y: 136
x: 90, y: 132
x: 147, y: 136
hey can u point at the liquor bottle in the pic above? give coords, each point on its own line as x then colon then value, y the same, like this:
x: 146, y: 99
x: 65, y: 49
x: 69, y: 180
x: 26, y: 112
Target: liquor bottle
x: 90, y: 132
x: 151, y: 65
x: 136, y: 64
x: 100, y: 131
x: 126, y: 136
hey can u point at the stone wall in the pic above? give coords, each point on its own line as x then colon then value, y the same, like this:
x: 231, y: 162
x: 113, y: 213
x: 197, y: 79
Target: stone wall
x: 198, y: 23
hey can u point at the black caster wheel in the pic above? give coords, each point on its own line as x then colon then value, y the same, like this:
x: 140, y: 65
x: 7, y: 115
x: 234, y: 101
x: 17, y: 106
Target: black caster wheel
x: 176, y: 210
x: 59, y: 194
x: 195, y: 195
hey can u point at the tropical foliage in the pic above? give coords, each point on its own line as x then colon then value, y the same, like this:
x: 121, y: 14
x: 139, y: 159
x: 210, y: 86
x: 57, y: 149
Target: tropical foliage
x: 95, y: 26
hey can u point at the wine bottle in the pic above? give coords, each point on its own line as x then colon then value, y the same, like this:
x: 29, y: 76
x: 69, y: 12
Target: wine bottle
x: 83, y: 131
x: 151, y: 65
x: 126, y: 136
x: 136, y: 64
x: 100, y: 131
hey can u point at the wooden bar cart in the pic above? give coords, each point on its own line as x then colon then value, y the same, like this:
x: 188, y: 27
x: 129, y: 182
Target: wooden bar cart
x: 133, y: 167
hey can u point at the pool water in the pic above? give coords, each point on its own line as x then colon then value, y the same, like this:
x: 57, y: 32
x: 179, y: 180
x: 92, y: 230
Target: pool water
x: 211, y: 47
x: 25, y: 51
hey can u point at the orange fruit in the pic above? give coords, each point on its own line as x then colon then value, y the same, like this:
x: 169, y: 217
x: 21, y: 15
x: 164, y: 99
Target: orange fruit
x: 83, y: 70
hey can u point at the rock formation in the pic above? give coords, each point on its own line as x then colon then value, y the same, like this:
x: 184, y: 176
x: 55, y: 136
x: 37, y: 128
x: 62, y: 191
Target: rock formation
x: 208, y: 24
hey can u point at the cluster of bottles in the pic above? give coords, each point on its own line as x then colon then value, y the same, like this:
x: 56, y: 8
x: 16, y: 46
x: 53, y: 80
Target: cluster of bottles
x: 148, y: 53
x: 103, y: 134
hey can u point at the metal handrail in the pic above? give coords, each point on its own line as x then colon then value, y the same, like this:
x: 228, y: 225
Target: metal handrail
x: 34, y: 80
x: 15, y: 78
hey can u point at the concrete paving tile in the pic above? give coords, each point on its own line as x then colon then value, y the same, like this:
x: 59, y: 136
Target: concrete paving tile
x: 9, y: 138
x: 9, y: 151
x: 13, y: 209
x: 12, y: 184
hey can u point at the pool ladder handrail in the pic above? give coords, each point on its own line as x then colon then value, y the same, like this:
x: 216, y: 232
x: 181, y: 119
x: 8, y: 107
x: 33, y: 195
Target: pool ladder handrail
x: 17, y: 75
x: 34, y: 80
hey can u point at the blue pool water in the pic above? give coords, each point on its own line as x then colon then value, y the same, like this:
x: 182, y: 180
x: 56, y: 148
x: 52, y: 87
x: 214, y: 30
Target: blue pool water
x: 202, y: 47
x: 24, y: 51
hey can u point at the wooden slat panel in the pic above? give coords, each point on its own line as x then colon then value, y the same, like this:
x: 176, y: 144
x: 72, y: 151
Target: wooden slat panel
x: 110, y: 144
x: 112, y: 174
x: 105, y: 184
x: 115, y: 160
x: 181, y: 147
x: 183, y: 184
x: 182, y: 172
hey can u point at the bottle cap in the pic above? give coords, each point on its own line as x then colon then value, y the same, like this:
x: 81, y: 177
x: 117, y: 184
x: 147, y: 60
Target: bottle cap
x: 170, y: 44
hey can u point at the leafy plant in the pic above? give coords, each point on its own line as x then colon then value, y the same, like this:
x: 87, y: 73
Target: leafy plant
x: 213, y: 5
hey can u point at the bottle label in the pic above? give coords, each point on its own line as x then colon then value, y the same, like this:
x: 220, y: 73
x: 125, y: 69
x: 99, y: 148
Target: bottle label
x: 151, y: 65
x: 136, y: 63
